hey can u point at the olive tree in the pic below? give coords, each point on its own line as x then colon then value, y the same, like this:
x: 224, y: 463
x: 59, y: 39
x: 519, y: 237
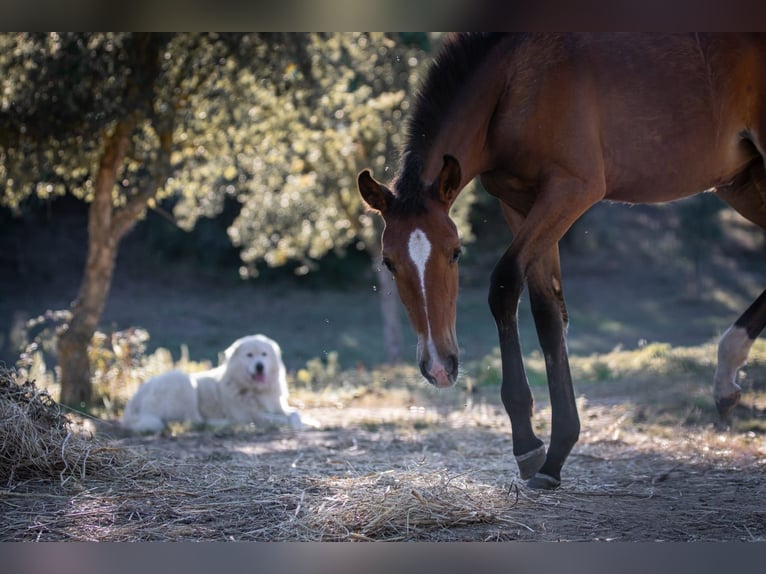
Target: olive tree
x: 108, y: 118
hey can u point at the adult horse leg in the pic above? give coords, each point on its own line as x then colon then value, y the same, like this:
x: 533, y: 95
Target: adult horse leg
x: 748, y: 197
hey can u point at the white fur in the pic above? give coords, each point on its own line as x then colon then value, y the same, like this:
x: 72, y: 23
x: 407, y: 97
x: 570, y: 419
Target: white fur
x: 419, y: 248
x: 733, y: 349
x: 230, y: 393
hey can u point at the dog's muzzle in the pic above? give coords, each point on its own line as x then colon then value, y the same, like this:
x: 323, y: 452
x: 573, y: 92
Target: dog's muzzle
x: 259, y: 375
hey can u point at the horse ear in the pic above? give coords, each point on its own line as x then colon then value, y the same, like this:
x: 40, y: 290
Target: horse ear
x: 374, y: 194
x: 449, y: 180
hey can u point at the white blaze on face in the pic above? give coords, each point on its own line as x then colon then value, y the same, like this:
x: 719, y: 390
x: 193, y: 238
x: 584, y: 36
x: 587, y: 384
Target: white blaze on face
x: 420, y: 250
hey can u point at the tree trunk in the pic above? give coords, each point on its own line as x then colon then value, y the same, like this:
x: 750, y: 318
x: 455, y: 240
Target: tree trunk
x: 87, y: 308
x: 107, y: 225
x: 73, y: 343
x: 393, y: 339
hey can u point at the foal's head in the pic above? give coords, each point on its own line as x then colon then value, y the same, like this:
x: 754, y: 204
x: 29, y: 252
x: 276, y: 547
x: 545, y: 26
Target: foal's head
x: 421, y: 248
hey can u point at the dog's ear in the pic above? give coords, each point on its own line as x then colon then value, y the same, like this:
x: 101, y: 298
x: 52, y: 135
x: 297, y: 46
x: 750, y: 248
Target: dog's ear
x: 231, y: 349
x: 277, y: 350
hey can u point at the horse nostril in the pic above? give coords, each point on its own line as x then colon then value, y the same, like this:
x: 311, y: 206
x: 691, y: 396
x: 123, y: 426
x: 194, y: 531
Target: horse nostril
x: 424, y: 369
x: 452, y: 364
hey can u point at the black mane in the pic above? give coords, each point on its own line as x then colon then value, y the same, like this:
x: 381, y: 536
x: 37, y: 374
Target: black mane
x: 452, y: 69
x: 460, y: 56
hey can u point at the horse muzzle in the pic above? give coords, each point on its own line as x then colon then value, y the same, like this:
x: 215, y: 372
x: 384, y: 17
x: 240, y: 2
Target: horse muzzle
x: 440, y: 374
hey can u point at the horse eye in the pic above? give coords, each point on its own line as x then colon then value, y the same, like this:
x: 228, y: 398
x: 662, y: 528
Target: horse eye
x: 456, y: 255
x: 389, y: 265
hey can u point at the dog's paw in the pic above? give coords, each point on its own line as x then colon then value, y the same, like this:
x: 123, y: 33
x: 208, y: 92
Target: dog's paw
x: 294, y: 421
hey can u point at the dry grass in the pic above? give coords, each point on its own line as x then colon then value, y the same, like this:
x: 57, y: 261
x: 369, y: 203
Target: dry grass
x: 388, y: 462
x: 39, y: 443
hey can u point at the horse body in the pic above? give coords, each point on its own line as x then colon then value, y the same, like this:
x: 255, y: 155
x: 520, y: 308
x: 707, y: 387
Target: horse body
x: 654, y: 117
x: 553, y: 124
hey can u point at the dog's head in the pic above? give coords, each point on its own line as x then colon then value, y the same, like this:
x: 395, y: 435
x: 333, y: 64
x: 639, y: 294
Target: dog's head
x: 256, y: 361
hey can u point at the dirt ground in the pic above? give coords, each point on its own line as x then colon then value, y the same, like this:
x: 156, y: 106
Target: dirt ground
x: 419, y: 467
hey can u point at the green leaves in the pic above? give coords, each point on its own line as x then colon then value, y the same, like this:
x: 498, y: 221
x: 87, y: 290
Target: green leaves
x: 282, y: 122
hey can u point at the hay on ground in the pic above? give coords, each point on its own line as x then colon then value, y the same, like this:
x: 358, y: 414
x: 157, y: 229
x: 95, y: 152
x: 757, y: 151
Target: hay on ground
x: 39, y: 443
x: 427, y: 474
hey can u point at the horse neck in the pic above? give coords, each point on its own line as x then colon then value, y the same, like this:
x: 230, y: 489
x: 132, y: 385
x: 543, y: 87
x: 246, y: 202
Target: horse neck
x: 463, y: 134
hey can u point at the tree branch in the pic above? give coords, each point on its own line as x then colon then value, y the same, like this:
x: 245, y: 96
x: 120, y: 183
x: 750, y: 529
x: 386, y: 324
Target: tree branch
x: 125, y: 218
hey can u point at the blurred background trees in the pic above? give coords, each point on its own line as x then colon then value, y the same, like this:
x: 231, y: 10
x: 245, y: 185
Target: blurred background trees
x: 252, y: 143
x: 78, y: 116
x: 279, y: 124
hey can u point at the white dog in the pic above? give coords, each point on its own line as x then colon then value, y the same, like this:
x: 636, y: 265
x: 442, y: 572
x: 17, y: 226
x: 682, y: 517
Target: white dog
x: 249, y: 386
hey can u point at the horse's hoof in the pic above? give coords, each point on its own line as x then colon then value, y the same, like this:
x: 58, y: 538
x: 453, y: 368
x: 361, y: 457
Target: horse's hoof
x: 542, y: 481
x: 530, y: 462
x: 726, y: 404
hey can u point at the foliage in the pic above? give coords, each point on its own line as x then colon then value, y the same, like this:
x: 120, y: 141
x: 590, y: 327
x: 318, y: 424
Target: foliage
x: 319, y: 372
x: 37, y: 340
x: 61, y: 92
x: 118, y: 360
x: 54, y: 89
x: 335, y: 106
x: 281, y: 122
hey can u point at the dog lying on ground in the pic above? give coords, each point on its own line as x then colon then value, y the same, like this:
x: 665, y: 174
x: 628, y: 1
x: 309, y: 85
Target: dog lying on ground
x: 249, y: 386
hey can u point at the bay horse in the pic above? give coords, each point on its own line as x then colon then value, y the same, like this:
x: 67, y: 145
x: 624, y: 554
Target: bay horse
x: 553, y: 124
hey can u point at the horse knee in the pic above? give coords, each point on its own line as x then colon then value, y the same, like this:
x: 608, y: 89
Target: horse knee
x: 506, y: 284
x: 517, y: 402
